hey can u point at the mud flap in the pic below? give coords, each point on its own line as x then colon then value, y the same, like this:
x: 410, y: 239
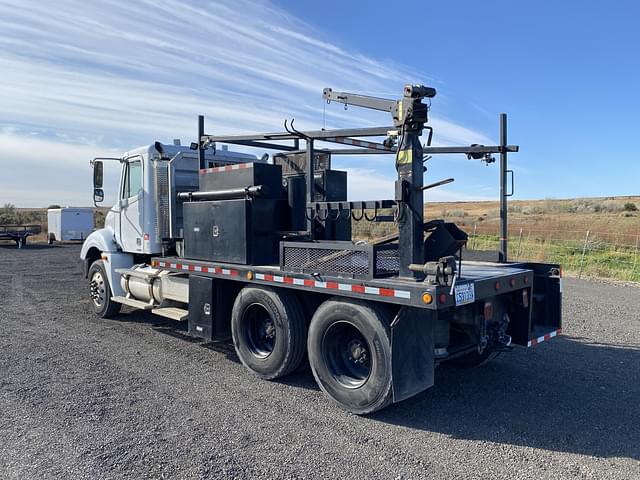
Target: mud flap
x: 411, y: 352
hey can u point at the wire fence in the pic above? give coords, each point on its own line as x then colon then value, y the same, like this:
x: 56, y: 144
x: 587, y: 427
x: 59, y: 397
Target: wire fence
x: 582, y: 253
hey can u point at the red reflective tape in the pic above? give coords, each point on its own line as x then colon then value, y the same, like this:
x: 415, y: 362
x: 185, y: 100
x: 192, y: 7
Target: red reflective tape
x: 333, y: 285
x: 288, y: 280
x: 559, y: 331
x: 309, y: 283
x: 234, y: 273
x: 387, y: 292
x: 357, y: 288
x: 268, y: 277
x: 178, y: 266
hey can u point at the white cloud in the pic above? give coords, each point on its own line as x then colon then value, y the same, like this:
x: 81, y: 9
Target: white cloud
x: 94, y: 76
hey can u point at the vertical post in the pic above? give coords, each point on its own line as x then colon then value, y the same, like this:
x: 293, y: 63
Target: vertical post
x: 519, y: 242
x: 635, y: 254
x: 411, y: 202
x: 584, y: 250
x: 310, y: 186
x: 475, y: 226
x: 503, y: 188
x: 200, y: 135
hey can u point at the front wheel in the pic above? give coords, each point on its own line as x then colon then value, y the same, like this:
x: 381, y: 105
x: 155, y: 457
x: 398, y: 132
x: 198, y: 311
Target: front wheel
x: 350, y: 354
x: 100, y: 291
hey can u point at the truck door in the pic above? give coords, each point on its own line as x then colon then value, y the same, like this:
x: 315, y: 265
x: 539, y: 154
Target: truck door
x: 132, y: 205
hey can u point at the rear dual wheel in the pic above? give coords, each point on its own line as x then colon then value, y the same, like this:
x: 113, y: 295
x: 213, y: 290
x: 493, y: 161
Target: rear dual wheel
x: 269, y: 331
x: 350, y: 354
x: 348, y: 344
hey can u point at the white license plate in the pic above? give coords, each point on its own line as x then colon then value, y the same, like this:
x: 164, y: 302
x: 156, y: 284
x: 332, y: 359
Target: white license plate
x: 465, y: 293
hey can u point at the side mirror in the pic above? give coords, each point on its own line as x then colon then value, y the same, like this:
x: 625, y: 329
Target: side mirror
x: 98, y: 176
x: 98, y: 195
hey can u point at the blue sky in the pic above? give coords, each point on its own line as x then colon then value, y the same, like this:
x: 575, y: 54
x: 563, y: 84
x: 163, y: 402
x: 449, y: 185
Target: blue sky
x: 96, y: 78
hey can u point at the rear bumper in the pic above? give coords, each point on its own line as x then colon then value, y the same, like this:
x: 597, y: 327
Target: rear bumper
x: 544, y: 338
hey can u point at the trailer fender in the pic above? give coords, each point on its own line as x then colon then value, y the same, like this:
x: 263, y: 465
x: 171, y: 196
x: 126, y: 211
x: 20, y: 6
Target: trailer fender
x: 412, y: 352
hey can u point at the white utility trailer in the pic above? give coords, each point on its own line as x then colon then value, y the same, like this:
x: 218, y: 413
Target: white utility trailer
x: 69, y: 224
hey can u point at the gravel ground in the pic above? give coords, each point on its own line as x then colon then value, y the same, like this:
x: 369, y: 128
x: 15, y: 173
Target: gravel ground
x: 134, y: 398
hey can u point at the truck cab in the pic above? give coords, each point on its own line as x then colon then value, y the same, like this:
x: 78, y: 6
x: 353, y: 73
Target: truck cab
x: 146, y: 217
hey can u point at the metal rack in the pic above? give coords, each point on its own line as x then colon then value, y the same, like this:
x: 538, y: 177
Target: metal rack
x: 402, y: 139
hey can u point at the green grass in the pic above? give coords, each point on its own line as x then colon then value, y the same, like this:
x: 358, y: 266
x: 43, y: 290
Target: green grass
x: 601, y: 259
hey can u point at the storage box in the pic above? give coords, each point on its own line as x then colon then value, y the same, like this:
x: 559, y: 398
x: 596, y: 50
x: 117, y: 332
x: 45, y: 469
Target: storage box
x: 234, y: 231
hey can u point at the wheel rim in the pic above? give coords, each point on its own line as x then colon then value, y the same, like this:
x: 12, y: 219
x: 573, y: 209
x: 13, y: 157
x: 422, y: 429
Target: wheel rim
x: 260, y: 330
x: 347, y: 355
x: 97, y: 289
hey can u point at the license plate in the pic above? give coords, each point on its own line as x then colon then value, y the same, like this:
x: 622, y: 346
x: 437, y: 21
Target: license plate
x: 465, y: 293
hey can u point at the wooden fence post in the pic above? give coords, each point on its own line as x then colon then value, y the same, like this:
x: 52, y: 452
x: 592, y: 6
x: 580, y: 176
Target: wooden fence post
x: 635, y: 255
x: 475, y: 225
x: 584, y: 250
x: 519, y: 243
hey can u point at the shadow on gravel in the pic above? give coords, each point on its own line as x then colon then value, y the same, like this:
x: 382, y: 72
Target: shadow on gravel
x: 571, y: 397
x: 225, y: 348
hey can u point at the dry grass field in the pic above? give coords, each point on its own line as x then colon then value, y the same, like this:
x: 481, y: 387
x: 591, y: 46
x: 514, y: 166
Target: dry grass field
x: 595, y: 237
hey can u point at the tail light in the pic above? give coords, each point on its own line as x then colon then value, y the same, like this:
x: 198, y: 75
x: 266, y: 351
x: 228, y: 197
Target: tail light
x: 525, y: 297
x: 488, y: 310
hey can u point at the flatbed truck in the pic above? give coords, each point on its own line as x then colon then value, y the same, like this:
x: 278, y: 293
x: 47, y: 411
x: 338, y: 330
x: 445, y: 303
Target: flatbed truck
x: 261, y: 252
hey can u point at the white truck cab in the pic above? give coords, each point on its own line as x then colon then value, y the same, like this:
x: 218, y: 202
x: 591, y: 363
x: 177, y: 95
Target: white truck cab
x: 146, y: 217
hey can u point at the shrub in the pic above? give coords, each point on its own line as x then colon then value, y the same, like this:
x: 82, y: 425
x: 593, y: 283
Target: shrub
x: 609, y: 206
x: 532, y: 210
x: 457, y: 213
x: 630, y: 207
x: 9, y: 215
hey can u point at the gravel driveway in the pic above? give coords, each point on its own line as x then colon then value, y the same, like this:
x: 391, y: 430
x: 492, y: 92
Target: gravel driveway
x: 135, y: 398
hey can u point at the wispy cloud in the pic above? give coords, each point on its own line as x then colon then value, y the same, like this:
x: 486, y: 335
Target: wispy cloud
x: 89, y: 77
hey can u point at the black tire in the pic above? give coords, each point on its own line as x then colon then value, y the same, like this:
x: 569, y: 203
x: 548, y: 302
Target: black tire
x: 100, y: 291
x: 269, y: 331
x: 350, y: 354
x: 472, y: 360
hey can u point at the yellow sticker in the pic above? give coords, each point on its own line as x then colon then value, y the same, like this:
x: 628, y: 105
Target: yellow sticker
x: 404, y: 156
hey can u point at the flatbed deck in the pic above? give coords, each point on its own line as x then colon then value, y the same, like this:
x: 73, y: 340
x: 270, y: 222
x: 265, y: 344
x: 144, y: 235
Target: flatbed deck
x: 487, y: 278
